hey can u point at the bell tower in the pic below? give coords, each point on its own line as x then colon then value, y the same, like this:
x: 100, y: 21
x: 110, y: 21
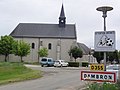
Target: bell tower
x: 62, y: 18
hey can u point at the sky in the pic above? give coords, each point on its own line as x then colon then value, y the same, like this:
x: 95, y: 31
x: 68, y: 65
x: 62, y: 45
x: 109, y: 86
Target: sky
x: 83, y: 13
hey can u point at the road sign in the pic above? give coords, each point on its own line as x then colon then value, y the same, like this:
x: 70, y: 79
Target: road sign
x: 98, y: 76
x: 104, y: 41
x: 98, y: 67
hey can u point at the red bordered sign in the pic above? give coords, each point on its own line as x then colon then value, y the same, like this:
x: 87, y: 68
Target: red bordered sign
x: 98, y: 76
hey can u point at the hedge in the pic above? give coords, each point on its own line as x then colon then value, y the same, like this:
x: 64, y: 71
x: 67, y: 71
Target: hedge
x: 85, y: 64
x: 73, y: 64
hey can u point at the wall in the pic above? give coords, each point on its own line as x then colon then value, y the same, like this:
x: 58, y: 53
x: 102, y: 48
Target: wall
x: 33, y: 56
x: 65, y: 45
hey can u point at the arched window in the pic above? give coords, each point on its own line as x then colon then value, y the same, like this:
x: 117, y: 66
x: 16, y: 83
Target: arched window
x: 33, y: 45
x: 49, y: 46
x: 41, y: 43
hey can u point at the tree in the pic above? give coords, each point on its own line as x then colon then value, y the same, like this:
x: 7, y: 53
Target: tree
x: 116, y: 56
x: 119, y: 54
x: 43, y: 52
x: 113, y: 56
x: 21, y: 48
x: 76, y: 52
x: 99, y: 56
x: 110, y: 56
x: 6, y: 44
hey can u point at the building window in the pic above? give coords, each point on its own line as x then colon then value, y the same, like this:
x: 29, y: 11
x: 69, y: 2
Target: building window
x: 49, y: 46
x: 41, y: 43
x: 33, y: 45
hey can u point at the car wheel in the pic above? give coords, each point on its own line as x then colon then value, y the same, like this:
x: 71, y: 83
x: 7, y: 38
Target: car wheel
x: 42, y: 65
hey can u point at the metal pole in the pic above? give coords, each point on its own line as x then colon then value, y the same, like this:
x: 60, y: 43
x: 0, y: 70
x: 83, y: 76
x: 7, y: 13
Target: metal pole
x: 104, y: 16
x: 104, y: 9
x: 104, y: 61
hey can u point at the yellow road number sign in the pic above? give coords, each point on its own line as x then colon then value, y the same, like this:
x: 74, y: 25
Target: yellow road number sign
x: 98, y: 67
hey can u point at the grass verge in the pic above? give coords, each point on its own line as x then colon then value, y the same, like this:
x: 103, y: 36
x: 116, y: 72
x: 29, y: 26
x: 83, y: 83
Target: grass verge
x: 103, y: 86
x: 14, y: 72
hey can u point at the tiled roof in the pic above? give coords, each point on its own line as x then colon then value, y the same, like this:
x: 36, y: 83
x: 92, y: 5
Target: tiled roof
x: 84, y: 48
x: 44, y: 31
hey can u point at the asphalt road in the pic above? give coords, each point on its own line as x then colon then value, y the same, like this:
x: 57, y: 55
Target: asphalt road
x: 54, y: 79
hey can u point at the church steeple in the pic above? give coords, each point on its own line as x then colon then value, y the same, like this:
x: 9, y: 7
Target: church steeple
x: 62, y: 18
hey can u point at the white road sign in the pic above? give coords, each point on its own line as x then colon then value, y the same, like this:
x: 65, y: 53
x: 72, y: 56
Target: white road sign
x: 104, y: 41
x: 98, y: 76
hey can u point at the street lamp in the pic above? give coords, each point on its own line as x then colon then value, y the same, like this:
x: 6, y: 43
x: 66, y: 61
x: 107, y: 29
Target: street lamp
x: 104, y: 9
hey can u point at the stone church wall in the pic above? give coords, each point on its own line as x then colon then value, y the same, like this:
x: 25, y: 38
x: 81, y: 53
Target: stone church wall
x: 64, y: 44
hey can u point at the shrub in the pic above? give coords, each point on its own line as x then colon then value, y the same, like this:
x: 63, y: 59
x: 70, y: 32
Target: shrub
x: 73, y: 64
x: 85, y: 64
x: 103, y: 86
x: 118, y: 84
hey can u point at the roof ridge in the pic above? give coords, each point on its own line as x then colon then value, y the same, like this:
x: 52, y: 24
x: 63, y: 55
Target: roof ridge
x: 47, y: 23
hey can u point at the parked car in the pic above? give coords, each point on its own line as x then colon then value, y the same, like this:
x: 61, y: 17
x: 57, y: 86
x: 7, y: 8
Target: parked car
x: 60, y: 63
x: 114, y: 68
x: 47, y: 62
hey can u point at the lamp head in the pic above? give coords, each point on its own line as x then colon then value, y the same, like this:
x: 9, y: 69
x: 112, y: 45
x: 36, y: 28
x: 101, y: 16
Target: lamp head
x: 104, y: 8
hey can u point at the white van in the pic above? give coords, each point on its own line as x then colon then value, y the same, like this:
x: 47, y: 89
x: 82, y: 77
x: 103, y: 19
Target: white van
x: 47, y: 62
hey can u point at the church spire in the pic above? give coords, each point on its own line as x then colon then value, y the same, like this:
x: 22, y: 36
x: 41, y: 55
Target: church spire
x: 62, y: 18
x: 62, y: 14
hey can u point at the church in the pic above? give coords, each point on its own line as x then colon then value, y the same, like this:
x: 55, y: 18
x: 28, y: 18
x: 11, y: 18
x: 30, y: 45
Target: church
x: 57, y: 38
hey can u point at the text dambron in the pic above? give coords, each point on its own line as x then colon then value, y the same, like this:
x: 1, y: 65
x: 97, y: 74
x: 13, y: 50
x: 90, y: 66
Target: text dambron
x: 98, y: 76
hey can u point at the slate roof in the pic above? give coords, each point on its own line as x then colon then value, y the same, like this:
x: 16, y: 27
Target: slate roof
x: 37, y: 30
x: 84, y: 48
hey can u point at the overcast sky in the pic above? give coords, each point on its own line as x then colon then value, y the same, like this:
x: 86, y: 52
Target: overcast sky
x: 80, y: 12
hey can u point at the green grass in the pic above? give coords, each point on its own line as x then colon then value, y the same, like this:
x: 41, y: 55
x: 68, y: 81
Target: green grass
x: 14, y: 72
x: 32, y: 63
x: 103, y: 86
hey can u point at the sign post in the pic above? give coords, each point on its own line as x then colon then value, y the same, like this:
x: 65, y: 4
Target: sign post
x: 104, y: 10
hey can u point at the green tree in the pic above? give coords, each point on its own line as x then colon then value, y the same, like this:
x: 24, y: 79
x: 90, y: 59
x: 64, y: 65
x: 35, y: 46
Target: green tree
x: 119, y: 54
x: 110, y: 56
x: 76, y: 52
x: 99, y: 56
x: 116, y: 56
x: 113, y: 56
x: 21, y: 48
x: 43, y: 52
x: 6, y: 44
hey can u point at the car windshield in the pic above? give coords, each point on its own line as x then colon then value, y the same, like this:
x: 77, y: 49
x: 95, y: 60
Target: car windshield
x: 44, y: 60
x: 57, y: 61
x: 63, y: 61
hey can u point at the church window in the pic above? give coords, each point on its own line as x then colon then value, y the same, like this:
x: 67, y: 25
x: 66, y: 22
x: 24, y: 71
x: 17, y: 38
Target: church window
x: 49, y: 46
x: 33, y: 45
x: 41, y: 43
